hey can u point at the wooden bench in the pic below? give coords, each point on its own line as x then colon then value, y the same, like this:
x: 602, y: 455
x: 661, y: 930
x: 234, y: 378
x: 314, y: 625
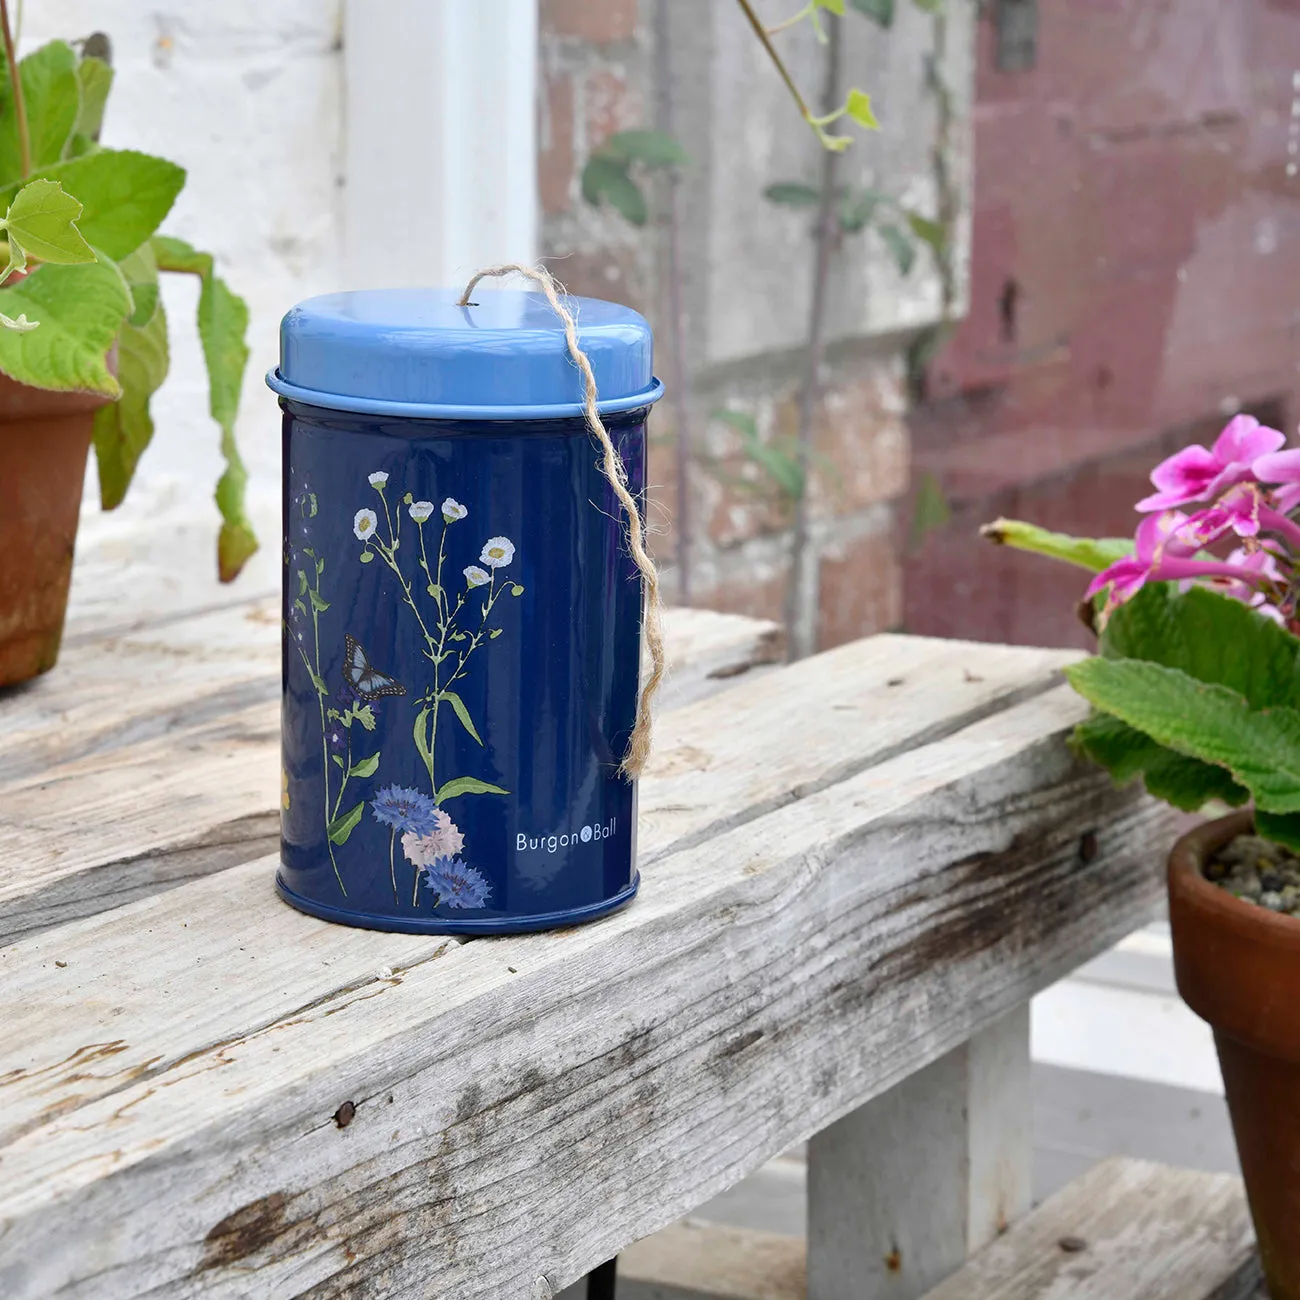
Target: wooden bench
x: 857, y: 871
x: 1126, y: 1230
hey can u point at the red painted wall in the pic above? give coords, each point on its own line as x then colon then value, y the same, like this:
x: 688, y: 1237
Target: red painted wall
x: 1135, y: 276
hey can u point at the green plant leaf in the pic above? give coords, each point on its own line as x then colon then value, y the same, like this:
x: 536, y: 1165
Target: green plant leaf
x: 41, y: 220
x: 1281, y: 828
x: 365, y: 715
x: 462, y: 713
x: 835, y: 6
x: 742, y: 421
x: 1203, y: 720
x: 880, y: 11
x: 79, y: 309
x: 858, y: 107
x: 1093, y: 554
x: 900, y: 247
x: 466, y: 785
x: 367, y: 766
x: 1211, y: 637
x: 1127, y: 754
x: 94, y: 81
x: 338, y: 761
x: 927, y: 231
x: 124, y: 195
x: 50, y: 93
x: 929, y: 6
x: 857, y: 210
x: 793, y: 194
x: 650, y: 148
x: 140, y: 270
x: 342, y: 826
x: 223, y: 325
x: 124, y: 429
x: 318, y: 603
x: 606, y: 180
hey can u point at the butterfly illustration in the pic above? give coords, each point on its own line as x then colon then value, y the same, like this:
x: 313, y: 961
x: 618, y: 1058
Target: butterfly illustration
x: 363, y: 677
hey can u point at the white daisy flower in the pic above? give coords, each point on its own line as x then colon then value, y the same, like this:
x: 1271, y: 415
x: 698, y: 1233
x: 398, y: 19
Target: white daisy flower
x: 497, y: 552
x: 378, y: 479
x: 364, y: 523
x: 421, y: 510
x: 476, y: 577
x: 453, y: 510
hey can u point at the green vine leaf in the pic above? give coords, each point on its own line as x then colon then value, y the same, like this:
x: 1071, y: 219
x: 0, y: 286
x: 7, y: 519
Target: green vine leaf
x: 793, y: 194
x: 462, y: 713
x: 365, y: 715
x: 140, y: 269
x: 124, y: 429
x: 858, y: 107
x: 319, y: 683
x: 466, y: 785
x: 337, y: 760
x: 420, y: 734
x: 900, y: 247
x: 879, y: 11
x: 342, y: 826
x: 79, y: 309
x: 606, y: 179
x: 367, y: 766
x: 650, y: 148
x: 318, y: 603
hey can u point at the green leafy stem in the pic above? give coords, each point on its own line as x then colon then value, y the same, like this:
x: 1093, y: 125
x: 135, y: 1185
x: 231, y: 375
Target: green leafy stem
x: 447, y: 645
x: 309, y: 603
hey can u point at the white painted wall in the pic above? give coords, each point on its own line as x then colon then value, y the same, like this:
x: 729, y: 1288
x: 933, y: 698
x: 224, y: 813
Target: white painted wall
x: 246, y: 95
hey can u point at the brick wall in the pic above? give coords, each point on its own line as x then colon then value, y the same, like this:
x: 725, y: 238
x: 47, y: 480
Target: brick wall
x: 1134, y: 282
x: 747, y: 268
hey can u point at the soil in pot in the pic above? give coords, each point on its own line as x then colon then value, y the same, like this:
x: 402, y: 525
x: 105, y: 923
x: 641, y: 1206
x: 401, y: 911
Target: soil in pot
x: 44, y: 440
x: 1237, y: 959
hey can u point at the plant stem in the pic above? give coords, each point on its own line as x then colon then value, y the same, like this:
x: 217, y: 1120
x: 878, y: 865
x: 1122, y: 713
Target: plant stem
x: 676, y: 315
x: 761, y: 32
x: 16, y: 82
x: 392, y: 865
x: 324, y: 742
x: 801, y: 633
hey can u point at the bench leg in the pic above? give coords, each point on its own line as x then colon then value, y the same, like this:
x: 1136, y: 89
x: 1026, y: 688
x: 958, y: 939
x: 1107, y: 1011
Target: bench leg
x: 903, y: 1189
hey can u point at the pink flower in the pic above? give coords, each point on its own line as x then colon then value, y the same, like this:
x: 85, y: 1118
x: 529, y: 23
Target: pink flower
x: 1195, y: 474
x: 444, y: 841
x: 1283, y: 468
x: 1262, y: 565
x: 1162, y: 554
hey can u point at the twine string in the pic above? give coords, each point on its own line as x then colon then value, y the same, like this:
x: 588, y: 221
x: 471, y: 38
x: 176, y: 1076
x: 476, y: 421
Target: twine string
x: 638, y: 750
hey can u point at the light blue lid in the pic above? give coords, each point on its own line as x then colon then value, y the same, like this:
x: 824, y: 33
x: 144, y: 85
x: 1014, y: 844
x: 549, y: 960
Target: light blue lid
x: 415, y: 353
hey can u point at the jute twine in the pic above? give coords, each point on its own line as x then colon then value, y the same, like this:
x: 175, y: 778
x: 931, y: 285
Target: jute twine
x: 638, y: 750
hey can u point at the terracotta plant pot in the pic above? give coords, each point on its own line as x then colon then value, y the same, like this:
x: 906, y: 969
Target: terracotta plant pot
x: 1238, y: 966
x: 44, y: 438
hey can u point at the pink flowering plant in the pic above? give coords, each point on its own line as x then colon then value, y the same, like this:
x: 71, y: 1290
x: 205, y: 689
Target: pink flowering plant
x: 1196, y: 685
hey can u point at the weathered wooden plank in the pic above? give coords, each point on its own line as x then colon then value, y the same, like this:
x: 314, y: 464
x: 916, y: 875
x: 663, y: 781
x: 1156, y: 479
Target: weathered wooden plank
x: 710, y: 649
x: 904, y: 1189
x: 527, y: 1107
x: 692, y: 1260
x: 152, y: 756
x: 1126, y: 1230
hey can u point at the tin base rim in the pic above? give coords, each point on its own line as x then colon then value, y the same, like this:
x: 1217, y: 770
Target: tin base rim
x: 439, y: 925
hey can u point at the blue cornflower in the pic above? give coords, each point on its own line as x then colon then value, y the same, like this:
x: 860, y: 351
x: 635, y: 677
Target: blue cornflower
x: 337, y: 738
x: 404, y: 810
x: 455, y: 884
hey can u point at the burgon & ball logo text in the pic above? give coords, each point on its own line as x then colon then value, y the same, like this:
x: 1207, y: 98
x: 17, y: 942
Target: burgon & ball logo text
x: 565, y: 839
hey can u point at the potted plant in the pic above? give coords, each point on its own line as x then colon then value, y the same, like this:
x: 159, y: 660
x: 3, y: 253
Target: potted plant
x: 1196, y: 690
x: 83, y: 335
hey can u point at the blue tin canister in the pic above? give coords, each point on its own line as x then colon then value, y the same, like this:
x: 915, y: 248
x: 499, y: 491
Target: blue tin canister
x: 462, y: 620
